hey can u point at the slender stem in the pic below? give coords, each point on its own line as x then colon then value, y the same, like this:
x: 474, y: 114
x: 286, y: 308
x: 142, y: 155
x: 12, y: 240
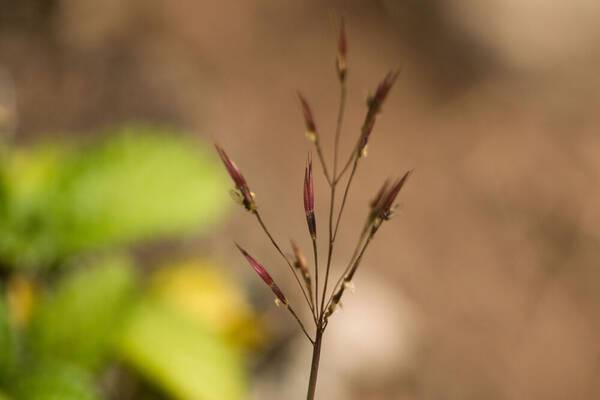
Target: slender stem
x: 338, y: 130
x: 348, y: 163
x: 323, y: 164
x: 354, y: 254
x: 314, y: 367
x: 315, y: 253
x: 329, y: 250
x: 291, y: 310
x: 339, y: 217
x: 360, y: 256
x: 351, y: 268
x: 260, y: 221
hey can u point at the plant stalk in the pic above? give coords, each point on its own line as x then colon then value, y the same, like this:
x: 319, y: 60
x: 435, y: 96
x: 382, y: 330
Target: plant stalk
x: 314, y: 368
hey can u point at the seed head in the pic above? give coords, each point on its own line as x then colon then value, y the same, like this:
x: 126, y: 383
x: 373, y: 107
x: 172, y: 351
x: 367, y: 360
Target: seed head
x: 382, y: 206
x: 309, y: 199
x: 376, y: 101
x: 242, y: 191
x: 374, y: 104
x: 309, y: 122
x: 262, y: 272
x: 375, y: 203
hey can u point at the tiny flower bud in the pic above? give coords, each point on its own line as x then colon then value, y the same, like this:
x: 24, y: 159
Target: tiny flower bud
x: 330, y: 310
x: 335, y: 300
x: 341, y: 53
x: 374, y: 104
x: 386, y: 209
x: 376, y: 101
x: 301, y: 265
x: 241, y: 193
x: 262, y: 272
x: 379, y: 196
x: 309, y: 122
x: 309, y: 199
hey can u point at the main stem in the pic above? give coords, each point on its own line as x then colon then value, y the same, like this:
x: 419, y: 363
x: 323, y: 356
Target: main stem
x: 338, y: 130
x: 314, y: 367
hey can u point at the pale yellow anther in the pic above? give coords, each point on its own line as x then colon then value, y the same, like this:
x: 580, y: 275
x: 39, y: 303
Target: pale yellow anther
x: 277, y: 302
x: 312, y: 136
x: 237, y: 196
x: 349, y: 285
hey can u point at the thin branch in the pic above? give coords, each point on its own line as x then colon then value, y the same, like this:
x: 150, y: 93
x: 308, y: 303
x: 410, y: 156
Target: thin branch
x: 329, y: 254
x: 291, y: 310
x: 262, y: 224
x: 339, y: 217
x: 323, y: 164
x: 315, y: 252
x: 354, y: 254
x: 348, y: 163
x: 351, y: 269
x: 329, y: 250
x: 338, y: 130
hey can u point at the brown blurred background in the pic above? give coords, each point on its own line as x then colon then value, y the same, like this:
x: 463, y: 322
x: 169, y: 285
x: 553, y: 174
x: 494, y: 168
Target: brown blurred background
x: 485, y: 284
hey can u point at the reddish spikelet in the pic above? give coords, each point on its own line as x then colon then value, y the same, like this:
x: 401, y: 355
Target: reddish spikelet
x: 341, y: 53
x: 300, y: 263
x: 382, y: 91
x: 234, y: 172
x: 309, y: 121
x: 379, y: 196
x: 374, y: 104
x: 309, y: 199
x: 387, y: 205
x: 309, y: 196
x: 299, y: 257
x: 262, y: 272
x: 243, y: 191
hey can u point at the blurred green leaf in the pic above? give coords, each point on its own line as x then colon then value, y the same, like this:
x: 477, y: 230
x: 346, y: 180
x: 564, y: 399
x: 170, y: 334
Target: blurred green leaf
x: 54, y: 382
x: 29, y: 183
x: 180, y: 355
x: 5, y: 339
x: 137, y: 183
x: 80, y: 319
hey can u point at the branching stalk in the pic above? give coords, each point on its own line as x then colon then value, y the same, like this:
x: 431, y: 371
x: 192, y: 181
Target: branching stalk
x: 262, y: 224
x: 381, y: 209
x: 338, y: 130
